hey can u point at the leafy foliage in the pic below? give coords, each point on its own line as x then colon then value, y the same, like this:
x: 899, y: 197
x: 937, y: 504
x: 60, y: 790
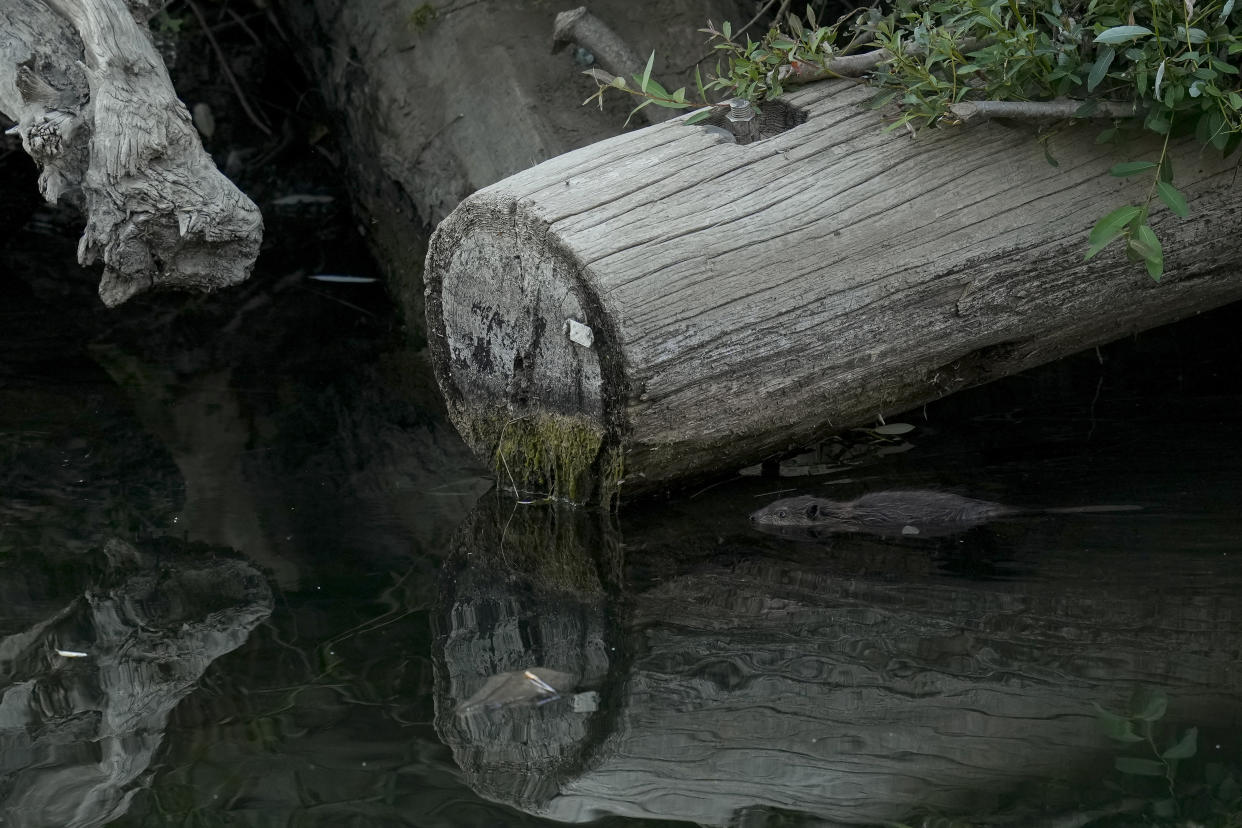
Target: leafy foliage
x: 1175, y: 62
x: 1155, y: 753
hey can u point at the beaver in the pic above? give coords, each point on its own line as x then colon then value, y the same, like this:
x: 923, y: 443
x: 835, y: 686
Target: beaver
x: 914, y: 512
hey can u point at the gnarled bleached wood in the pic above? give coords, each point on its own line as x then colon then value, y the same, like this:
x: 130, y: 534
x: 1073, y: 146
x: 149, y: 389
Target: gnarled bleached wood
x: 95, y: 108
x: 747, y: 300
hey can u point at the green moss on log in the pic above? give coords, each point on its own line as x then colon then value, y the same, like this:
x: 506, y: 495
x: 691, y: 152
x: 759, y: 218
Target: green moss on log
x: 554, y: 454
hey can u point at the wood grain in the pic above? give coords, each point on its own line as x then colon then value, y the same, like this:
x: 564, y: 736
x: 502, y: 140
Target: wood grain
x: 747, y: 300
x: 96, y: 109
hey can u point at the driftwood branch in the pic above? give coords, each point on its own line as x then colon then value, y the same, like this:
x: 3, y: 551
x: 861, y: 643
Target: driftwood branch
x: 856, y: 65
x: 112, y: 137
x: 588, y: 31
x: 611, y: 52
x: 853, y: 66
x: 968, y: 111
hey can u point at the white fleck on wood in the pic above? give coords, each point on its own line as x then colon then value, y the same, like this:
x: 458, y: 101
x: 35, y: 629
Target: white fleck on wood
x: 95, y: 108
x: 579, y: 334
x: 751, y: 299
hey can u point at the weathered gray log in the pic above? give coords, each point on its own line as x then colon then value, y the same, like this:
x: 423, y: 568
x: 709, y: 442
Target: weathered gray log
x: 95, y: 108
x: 434, y: 110
x: 668, y: 303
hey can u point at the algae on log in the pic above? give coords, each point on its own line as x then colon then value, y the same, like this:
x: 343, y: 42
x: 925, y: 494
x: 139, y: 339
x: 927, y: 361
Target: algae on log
x: 699, y: 304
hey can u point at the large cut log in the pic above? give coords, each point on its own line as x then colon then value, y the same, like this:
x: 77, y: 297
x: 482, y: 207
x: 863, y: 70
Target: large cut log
x: 95, y: 108
x: 437, y: 105
x: 669, y: 303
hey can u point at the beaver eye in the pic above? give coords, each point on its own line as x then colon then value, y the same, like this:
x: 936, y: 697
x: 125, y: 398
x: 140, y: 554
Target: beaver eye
x: 782, y: 513
x: 812, y: 510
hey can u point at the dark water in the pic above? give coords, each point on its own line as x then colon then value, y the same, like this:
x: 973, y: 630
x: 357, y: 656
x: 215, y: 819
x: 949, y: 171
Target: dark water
x: 289, y: 581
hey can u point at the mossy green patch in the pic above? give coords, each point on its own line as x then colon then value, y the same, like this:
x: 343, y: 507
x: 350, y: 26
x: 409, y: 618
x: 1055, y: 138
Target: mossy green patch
x: 422, y: 17
x: 552, y: 454
x: 552, y: 545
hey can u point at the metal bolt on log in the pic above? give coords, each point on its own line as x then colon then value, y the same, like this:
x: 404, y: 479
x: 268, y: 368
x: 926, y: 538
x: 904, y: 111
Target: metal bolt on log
x: 742, y: 121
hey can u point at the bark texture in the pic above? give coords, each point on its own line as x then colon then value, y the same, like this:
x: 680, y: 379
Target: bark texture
x: 96, y: 109
x: 746, y: 300
x: 435, y: 107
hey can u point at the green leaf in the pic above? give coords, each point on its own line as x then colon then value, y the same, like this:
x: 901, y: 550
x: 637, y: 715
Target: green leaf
x: 882, y: 99
x: 1106, y: 135
x: 642, y: 84
x: 1120, y: 34
x: 1155, y: 266
x: 654, y: 87
x: 1144, y: 240
x: 1139, y: 767
x: 1117, y: 728
x: 1172, y: 198
x: 1110, y: 227
x: 727, y: 28
x: 1146, y: 703
x: 635, y: 110
x: 1194, y: 35
x: 700, y: 115
x: 1100, y: 68
x: 1156, y: 122
x: 1129, y: 168
x: 1185, y: 747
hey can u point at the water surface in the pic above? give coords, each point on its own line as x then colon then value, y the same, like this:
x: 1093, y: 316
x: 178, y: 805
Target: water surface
x: 289, y: 583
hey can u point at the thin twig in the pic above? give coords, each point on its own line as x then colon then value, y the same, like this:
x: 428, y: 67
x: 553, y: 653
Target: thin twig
x: 749, y: 23
x: 241, y: 21
x: 759, y: 14
x: 228, y: 73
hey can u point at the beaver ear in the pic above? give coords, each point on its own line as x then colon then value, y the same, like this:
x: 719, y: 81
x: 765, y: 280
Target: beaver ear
x: 812, y: 510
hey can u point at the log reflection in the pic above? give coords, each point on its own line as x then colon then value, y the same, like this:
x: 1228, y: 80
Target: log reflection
x: 859, y: 684
x: 524, y: 593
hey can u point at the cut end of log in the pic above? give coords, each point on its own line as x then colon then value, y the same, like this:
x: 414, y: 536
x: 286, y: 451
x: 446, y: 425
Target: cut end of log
x: 521, y: 352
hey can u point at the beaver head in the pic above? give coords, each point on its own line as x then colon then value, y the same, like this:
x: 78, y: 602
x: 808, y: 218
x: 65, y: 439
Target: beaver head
x: 799, y: 511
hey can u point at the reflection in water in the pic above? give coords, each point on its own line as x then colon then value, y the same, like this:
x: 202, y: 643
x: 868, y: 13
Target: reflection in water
x: 89, y: 683
x: 702, y: 672
x: 763, y: 677
x: 524, y: 587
